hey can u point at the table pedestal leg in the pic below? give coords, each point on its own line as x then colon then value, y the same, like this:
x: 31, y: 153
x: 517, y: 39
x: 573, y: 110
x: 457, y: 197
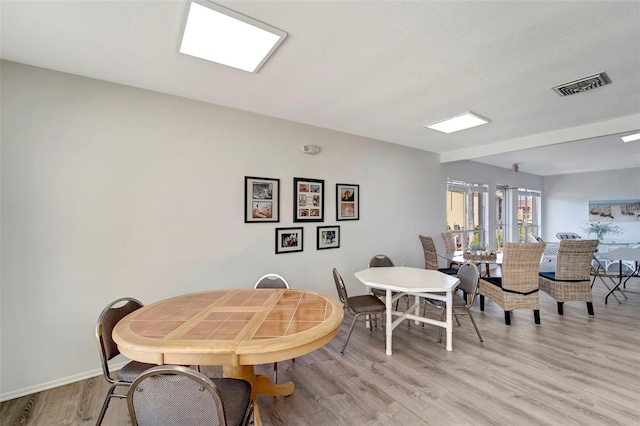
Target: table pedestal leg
x: 449, y: 320
x: 259, y: 385
x: 389, y: 326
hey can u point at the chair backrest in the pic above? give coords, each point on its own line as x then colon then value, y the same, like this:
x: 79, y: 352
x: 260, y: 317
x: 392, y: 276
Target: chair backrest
x: 342, y: 290
x: 533, y: 239
x: 271, y: 281
x: 574, y: 259
x: 469, y: 276
x: 449, y: 241
x: 380, y: 260
x: 449, y: 246
x: 430, y: 254
x: 107, y: 321
x: 521, y: 265
x: 174, y: 395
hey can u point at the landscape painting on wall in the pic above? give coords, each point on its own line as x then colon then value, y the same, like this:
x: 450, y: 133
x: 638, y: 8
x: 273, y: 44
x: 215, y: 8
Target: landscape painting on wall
x: 614, y: 211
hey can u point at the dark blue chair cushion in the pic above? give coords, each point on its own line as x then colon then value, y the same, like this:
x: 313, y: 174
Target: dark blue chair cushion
x: 548, y: 275
x: 497, y: 281
x: 448, y: 271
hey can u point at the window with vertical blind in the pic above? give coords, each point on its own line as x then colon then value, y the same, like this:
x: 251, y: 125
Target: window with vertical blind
x: 467, y: 212
x: 502, y: 217
x: 529, y: 212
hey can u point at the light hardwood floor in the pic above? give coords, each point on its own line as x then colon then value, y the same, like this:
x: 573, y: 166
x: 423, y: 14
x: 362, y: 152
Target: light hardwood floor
x: 573, y: 369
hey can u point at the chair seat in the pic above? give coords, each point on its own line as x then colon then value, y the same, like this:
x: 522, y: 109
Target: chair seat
x: 497, y: 281
x: 130, y: 371
x: 448, y: 271
x: 366, y: 303
x: 381, y: 293
x: 458, y: 302
x: 236, y: 397
x: 551, y: 275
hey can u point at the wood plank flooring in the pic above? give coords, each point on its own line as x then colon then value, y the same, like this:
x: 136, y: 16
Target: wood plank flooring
x: 570, y: 370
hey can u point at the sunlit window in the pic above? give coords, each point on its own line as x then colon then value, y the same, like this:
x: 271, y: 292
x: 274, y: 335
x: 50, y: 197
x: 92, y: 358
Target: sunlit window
x: 467, y: 212
x: 528, y: 214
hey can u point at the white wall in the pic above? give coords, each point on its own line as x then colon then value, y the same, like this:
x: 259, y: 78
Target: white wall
x: 566, y: 200
x: 110, y: 191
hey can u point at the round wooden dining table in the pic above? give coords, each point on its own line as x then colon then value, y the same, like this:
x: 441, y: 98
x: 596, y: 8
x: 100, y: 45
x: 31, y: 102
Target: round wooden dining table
x: 236, y: 328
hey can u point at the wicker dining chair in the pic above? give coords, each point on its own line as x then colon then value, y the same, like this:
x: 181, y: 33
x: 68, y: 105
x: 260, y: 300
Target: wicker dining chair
x: 450, y: 249
x: 518, y: 288
x: 172, y: 395
x: 107, y: 321
x: 367, y: 305
x: 431, y: 256
x: 273, y: 281
x: 571, y: 280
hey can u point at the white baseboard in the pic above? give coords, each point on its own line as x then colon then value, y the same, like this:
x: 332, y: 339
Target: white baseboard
x: 58, y: 382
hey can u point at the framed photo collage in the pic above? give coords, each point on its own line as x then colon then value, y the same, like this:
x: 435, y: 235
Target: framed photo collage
x: 262, y: 204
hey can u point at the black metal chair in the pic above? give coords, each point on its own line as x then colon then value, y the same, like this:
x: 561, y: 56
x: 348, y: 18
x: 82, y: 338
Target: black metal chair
x: 380, y: 261
x: 107, y: 321
x: 273, y: 281
x: 367, y: 305
x: 468, y: 275
x: 172, y: 395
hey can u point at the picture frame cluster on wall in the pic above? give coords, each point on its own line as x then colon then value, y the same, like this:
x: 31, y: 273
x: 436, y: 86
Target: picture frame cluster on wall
x: 262, y: 204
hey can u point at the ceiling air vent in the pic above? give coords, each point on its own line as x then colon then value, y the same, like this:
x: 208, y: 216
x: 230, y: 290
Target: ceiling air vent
x: 582, y: 85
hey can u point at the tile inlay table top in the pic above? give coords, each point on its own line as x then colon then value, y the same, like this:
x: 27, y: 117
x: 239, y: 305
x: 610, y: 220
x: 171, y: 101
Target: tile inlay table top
x: 236, y: 328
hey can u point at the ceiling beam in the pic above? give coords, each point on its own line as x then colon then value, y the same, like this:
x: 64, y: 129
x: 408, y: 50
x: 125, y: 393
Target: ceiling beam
x: 571, y: 134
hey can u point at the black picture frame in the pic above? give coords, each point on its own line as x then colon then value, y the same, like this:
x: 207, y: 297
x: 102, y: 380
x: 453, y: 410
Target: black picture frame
x: 308, y: 200
x: 347, y: 201
x: 261, y: 199
x: 289, y: 240
x: 328, y: 237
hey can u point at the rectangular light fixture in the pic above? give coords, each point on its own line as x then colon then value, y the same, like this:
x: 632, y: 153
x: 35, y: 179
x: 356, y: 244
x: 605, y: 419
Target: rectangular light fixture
x: 218, y: 34
x: 630, y: 138
x: 457, y: 123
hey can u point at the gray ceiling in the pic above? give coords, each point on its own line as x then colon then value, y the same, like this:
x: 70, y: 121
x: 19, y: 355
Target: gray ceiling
x: 381, y: 69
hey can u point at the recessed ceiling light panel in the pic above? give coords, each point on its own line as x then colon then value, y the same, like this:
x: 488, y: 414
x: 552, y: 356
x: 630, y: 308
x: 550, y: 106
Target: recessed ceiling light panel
x: 221, y: 35
x: 629, y: 138
x: 457, y: 123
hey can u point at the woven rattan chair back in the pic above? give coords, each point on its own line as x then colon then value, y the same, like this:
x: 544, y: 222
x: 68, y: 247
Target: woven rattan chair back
x: 172, y: 395
x: 271, y: 281
x: 520, y: 266
x: 449, y: 241
x: 430, y: 254
x: 380, y: 260
x: 574, y: 259
x: 449, y: 246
